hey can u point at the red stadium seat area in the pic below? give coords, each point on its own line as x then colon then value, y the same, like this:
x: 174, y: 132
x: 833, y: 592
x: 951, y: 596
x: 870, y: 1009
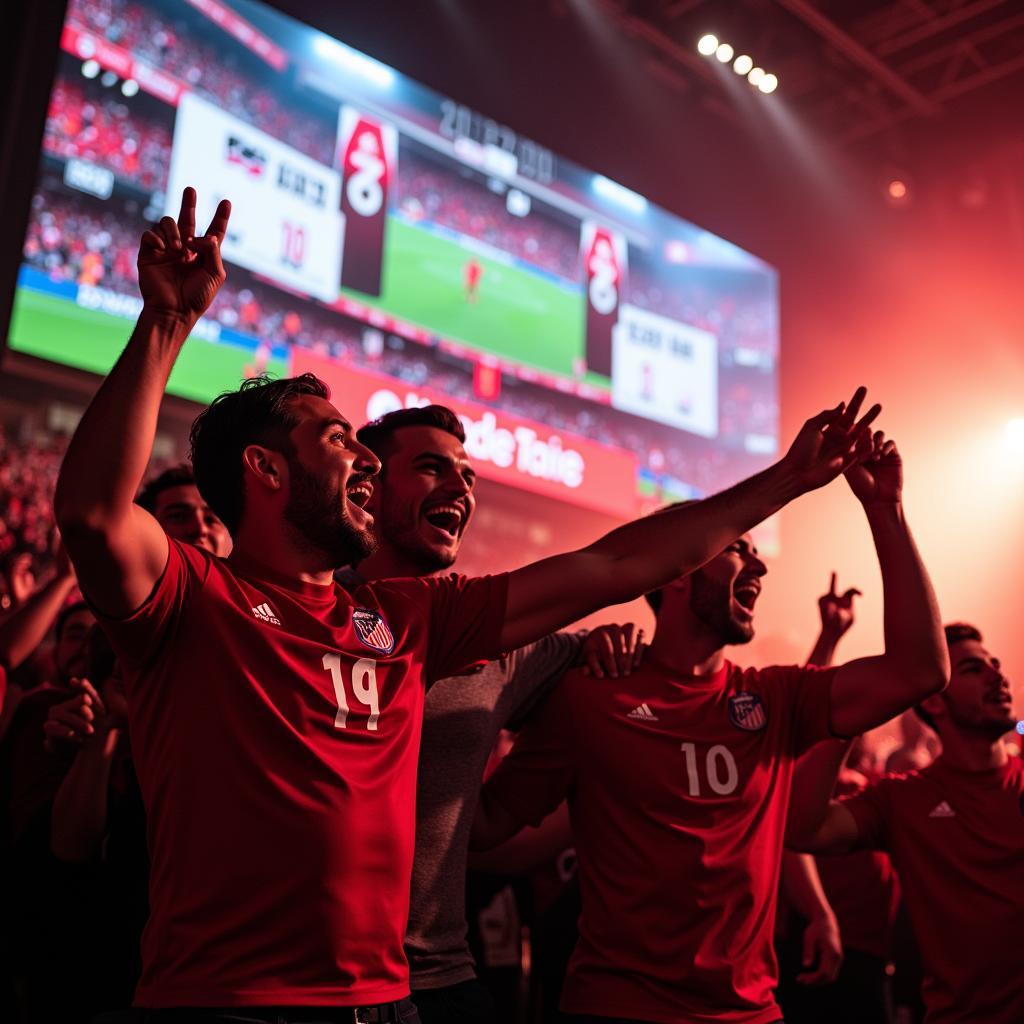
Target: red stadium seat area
x: 28, y: 474
x: 212, y: 65
x: 93, y: 248
x: 107, y: 132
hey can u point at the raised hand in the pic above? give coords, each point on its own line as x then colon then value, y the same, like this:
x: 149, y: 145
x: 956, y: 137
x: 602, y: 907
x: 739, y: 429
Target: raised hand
x: 836, y: 610
x: 831, y: 442
x: 179, y: 273
x: 878, y: 479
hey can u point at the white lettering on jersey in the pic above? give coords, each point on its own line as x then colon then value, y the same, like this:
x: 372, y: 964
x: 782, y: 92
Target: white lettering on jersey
x: 720, y: 770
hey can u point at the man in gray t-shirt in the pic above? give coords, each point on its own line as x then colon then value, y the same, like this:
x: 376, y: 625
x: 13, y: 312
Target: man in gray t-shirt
x: 423, y: 501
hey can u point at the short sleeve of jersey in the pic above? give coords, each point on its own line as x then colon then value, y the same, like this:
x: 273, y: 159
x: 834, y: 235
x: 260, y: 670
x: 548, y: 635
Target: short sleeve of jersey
x: 538, y: 772
x: 465, y: 614
x: 871, y: 811
x: 142, y: 636
x: 808, y: 692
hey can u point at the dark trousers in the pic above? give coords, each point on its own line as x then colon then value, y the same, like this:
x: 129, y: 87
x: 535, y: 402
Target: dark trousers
x: 400, y: 1012
x: 467, y: 1002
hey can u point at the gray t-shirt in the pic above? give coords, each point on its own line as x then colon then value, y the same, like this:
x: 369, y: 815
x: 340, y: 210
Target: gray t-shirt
x: 461, y: 722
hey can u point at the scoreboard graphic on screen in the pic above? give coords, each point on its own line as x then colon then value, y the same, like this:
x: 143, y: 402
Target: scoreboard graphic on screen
x: 601, y: 349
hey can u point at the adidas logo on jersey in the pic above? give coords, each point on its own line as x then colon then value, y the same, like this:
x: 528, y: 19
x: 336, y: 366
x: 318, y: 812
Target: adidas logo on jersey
x: 265, y: 613
x: 643, y: 714
x: 943, y: 810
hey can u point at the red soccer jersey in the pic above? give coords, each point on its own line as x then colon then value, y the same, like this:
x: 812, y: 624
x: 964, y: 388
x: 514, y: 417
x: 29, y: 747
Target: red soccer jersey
x: 275, y: 727
x: 956, y: 839
x: 677, y: 789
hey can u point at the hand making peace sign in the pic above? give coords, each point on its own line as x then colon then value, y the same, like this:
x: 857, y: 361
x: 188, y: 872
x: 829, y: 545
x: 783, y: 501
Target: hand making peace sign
x: 179, y: 273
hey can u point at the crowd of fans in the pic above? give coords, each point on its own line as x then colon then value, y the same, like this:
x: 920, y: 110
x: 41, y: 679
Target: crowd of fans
x: 80, y: 888
x: 107, y: 131
x: 211, y: 65
x: 470, y: 208
x: 86, y: 246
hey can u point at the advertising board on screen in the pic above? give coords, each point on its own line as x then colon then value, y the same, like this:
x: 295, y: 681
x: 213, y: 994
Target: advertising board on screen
x: 600, y: 349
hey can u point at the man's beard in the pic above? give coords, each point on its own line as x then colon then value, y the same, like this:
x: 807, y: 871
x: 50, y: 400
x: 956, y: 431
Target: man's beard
x: 405, y: 539
x: 710, y: 603
x: 319, y: 515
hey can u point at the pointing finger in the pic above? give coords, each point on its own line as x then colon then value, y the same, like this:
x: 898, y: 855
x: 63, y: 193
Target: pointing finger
x: 869, y: 417
x: 187, y: 214
x: 855, y: 403
x: 219, y: 225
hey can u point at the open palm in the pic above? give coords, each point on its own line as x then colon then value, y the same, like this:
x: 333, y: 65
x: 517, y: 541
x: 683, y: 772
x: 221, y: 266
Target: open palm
x: 179, y: 273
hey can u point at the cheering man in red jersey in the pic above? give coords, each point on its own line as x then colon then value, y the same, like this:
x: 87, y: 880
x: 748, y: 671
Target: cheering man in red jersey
x: 955, y: 833
x: 274, y: 715
x: 678, y: 778
x: 423, y: 503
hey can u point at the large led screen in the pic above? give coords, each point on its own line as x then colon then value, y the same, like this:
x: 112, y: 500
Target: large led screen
x: 400, y: 245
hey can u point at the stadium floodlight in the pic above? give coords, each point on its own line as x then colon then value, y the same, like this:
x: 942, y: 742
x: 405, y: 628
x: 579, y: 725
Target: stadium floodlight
x: 768, y: 84
x: 724, y: 52
x: 743, y: 64
x: 707, y: 45
x: 90, y: 68
x: 129, y: 87
x: 353, y: 61
x: 756, y: 75
x: 616, y: 193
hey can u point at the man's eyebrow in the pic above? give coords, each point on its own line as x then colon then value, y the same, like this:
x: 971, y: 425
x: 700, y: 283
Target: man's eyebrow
x: 335, y: 421
x: 971, y: 660
x: 178, y: 506
x: 448, y: 460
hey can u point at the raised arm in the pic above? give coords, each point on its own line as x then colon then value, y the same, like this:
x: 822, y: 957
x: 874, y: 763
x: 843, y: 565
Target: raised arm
x: 26, y: 627
x: 836, y: 612
x: 650, y: 552
x: 870, y: 691
x: 119, y: 549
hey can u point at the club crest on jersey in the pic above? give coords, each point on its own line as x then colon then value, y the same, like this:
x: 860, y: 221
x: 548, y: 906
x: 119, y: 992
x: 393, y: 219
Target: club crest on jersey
x: 372, y: 630
x: 747, y: 712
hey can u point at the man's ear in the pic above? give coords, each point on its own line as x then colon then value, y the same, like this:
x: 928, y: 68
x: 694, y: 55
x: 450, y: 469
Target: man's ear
x: 266, y: 466
x: 935, y: 705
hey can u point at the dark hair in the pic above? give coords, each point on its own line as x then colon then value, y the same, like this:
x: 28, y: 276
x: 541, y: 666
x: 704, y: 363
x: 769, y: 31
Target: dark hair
x: 955, y: 633
x: 257, y: 413
x: 65, y: 613
x: 378, y: 433
x: 177, y: 476
x: 958, y: 631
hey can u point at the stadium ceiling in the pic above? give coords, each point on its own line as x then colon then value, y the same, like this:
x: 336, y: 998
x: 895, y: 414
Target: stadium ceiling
x: 853, y: 70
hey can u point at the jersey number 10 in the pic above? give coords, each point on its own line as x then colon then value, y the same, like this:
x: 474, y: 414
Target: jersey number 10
x: 719, y: 769
x: 364, y: 689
